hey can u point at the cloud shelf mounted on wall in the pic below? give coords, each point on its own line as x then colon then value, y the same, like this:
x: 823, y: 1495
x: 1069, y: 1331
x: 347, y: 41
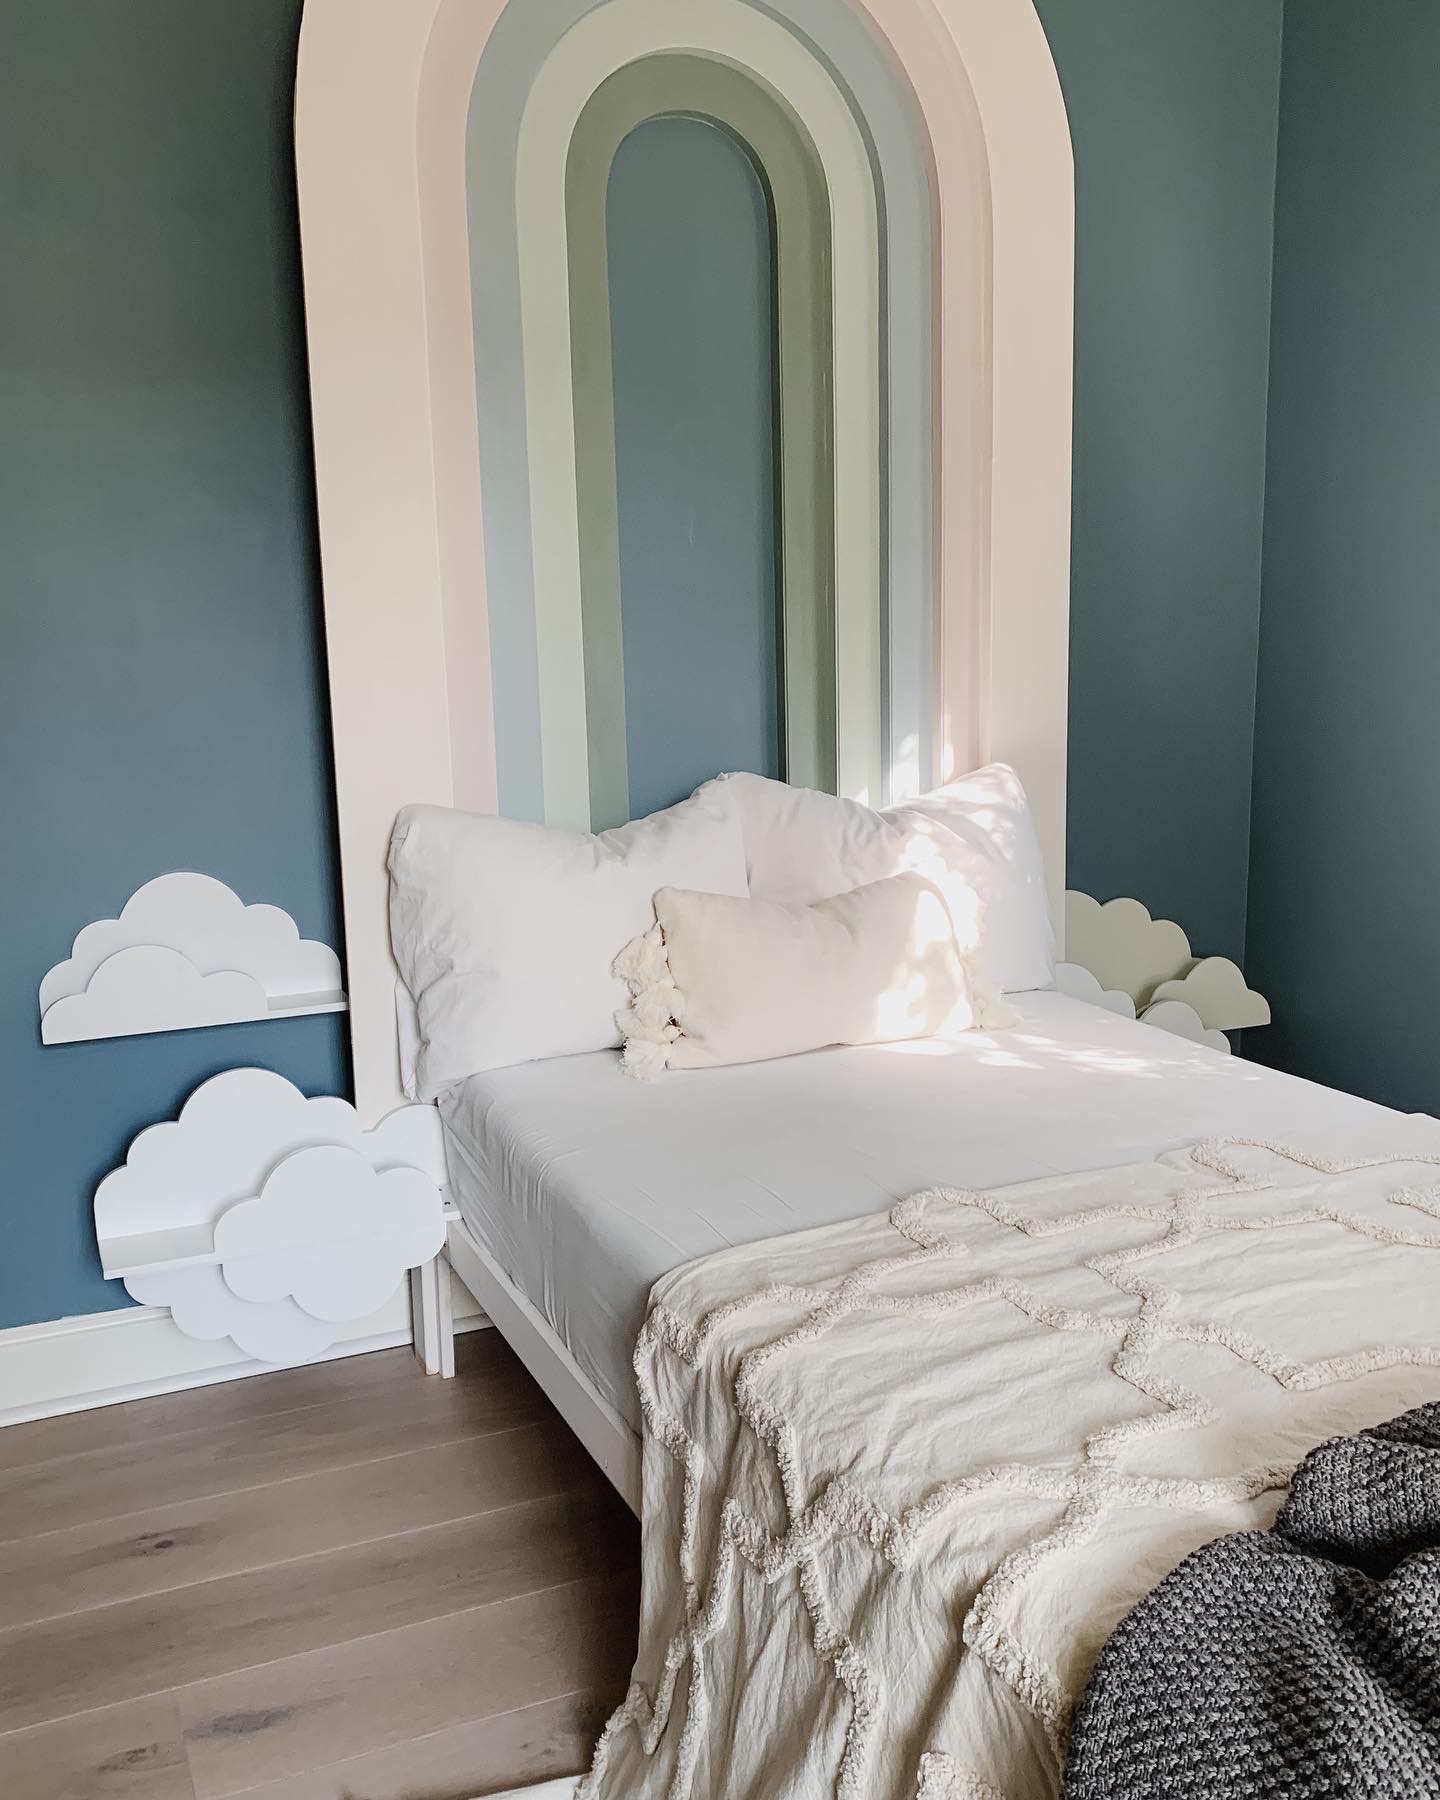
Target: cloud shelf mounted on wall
x: 1123, y: 959
x: 271, y: 1219
x: 186, y: 952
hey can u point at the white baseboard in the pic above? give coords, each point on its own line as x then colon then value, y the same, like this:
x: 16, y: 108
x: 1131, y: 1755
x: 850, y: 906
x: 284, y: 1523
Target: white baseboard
x: 561, y: 1789
x: 101, y: 1359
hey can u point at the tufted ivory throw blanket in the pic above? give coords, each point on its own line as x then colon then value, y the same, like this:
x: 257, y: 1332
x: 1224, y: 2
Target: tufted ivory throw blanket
x: 1304, y: 1660
x: 903, y: 1476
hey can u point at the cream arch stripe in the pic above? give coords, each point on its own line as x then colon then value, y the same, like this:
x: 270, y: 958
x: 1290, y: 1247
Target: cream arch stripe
x: 888, y: 116
x: 674, y: 82
x: 381, y: 105
x: 988, y: 89
x: 620, y: 32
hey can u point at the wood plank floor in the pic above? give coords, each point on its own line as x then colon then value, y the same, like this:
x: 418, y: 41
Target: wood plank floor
x: 344, y: 1582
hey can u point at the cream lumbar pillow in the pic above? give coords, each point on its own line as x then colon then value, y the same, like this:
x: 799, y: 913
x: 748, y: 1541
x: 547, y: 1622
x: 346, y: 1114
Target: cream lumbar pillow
x: 724, y: 980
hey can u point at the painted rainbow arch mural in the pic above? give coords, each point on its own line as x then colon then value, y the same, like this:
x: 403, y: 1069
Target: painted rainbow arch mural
x: 691, y: 383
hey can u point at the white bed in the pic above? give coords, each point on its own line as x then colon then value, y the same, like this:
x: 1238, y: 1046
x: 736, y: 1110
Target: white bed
x: 574, y: 1190
x: 976, y: 1376
x: 583, y: 1188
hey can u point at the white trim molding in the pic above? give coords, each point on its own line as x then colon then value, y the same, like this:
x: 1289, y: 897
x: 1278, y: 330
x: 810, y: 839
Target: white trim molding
x: 104, y: 1359
x: 563, y: 1787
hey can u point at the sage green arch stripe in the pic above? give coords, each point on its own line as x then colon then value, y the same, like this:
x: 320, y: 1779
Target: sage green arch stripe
x: 618, y: 33
x: 789, y: 164
x: 841, y: 37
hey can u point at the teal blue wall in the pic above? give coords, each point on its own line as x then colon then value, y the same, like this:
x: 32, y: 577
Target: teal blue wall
x: 1346, y: 847
x: 161, y: 691
x: 161, y: 686
x: 692, y: 320
x: 1173, y: 114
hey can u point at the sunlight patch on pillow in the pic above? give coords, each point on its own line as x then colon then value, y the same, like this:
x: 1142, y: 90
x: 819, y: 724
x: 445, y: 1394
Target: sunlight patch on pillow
x: 720, y: 980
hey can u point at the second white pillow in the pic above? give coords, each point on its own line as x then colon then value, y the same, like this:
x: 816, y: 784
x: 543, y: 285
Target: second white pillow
x: 724, y: 980
x: 975, y: 838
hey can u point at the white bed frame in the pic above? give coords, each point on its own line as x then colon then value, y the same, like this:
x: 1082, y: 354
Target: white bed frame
x: 380, y: 109
x: 602, y: 1431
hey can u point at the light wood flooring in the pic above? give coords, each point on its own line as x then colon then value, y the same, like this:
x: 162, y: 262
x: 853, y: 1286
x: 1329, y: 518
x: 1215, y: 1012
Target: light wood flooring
x: 343, y: 1582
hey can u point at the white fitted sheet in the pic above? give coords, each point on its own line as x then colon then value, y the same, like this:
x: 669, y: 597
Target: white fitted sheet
x: 586, y: 1187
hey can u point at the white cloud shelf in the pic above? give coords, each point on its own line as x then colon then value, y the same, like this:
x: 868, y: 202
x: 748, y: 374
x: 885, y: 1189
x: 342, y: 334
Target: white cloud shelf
x: 1123, y: 959
x: 186, y: 952
x: 271, y: 1219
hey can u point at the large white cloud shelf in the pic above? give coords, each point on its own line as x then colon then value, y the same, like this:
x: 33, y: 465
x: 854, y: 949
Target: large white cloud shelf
x: 264, y: 1217
x: 185, y: 952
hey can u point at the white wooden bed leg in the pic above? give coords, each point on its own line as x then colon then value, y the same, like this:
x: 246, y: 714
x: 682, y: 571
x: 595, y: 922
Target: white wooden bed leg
x: 430, y: 1310
x: 445, y: 1295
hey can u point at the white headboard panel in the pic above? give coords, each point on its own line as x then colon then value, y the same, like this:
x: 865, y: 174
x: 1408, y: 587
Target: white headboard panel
x: 459, y: 559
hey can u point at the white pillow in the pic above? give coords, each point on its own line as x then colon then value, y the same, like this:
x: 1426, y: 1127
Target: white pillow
x: 505, y: 932
x: 719, y: 980
x: 975, y: 836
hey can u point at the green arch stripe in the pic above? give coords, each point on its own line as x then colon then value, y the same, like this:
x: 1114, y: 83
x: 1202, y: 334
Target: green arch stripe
x: 670, y: 83
x: 605, y: 40
x: 887, y: 115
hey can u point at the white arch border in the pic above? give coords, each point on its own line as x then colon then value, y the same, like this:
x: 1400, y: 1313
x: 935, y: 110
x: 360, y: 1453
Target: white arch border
x: 380, y: 127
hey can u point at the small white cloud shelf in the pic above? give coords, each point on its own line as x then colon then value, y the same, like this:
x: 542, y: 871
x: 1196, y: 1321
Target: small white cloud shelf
x: 1123, y: 947
x: 264, y: 1217
x: 1123, y: 959
x: 1217, y: 991
x: 186, y: 952
x: 1181, y: 1020
x: 1080, y: 984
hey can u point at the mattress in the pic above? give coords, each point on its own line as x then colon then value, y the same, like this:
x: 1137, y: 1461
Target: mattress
x: 585, y: 1187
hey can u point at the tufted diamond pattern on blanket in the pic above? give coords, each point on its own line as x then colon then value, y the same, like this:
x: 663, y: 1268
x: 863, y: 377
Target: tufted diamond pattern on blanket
x: 904, y: 1475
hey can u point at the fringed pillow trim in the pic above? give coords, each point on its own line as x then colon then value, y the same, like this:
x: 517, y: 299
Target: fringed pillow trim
x: 647, y: 1024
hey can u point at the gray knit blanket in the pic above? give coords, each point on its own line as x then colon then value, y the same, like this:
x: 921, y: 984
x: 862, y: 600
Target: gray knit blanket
x: 1302, y: 1661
